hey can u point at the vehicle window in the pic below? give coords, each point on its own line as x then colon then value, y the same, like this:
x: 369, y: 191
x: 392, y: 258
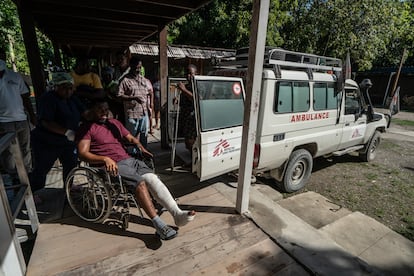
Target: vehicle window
x: 300, y: 96
x: 332, y: 102
x: 292, y: 97
x: 284, y: 97
x: 352, y: 105
x: 221, y: 104
x: 324, y: 96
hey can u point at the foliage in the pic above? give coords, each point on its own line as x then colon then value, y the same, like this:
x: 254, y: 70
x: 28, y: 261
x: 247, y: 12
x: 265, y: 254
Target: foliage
x: 334, y: 27
x: 374, y: 32
x: 221, y: 24
x: 11, y: 38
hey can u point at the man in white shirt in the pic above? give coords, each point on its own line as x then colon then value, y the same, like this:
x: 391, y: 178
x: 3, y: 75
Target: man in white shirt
x: 14, y: 103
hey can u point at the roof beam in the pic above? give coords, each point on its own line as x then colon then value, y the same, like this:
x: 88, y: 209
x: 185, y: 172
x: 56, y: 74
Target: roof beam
x: 96, y: 16
x: 131, y: 6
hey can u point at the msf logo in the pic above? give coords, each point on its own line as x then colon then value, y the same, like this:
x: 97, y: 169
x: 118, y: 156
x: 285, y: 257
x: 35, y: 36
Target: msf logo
x: 356, y: 134
x: 221, y: 147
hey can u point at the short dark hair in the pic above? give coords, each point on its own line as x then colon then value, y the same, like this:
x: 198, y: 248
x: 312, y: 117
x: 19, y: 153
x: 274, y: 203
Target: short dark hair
x: 98, y: 101
x: 192, y: 66
x: 134, y: 60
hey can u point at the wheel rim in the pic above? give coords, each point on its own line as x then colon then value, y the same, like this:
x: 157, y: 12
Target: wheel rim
x: 373, y: 149
x: 298, y: 172
x: 86, y: 197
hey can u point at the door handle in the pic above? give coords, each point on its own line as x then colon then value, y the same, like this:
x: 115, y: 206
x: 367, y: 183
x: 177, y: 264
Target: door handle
x: 347, y: 124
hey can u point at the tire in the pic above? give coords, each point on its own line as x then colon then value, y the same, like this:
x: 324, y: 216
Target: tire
x: 88, y: 195
x: 371, y: 148
x: 298, y: 171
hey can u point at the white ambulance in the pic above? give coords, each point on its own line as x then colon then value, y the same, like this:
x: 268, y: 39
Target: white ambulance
x: 306, y: 110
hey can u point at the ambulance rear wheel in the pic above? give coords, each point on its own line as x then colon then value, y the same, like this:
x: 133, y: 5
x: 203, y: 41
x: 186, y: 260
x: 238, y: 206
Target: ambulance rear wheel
x: 297, y: 171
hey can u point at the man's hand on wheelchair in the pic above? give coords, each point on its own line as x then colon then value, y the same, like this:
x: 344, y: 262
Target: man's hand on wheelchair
x: 145, y: 152
x: 111, y: 166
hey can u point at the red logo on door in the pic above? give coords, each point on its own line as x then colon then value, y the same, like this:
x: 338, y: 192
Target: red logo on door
x: 221, y: 146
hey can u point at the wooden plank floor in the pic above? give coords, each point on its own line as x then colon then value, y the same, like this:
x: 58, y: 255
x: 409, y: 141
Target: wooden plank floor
x: 217, y: 242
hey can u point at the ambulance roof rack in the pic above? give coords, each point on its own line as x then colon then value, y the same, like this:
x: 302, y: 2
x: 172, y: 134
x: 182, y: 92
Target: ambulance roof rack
x: 288, y: 59
x: 282, y: 57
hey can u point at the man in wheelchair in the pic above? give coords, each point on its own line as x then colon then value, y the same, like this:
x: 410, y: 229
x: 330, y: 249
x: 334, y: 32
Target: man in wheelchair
x: 100, y: 141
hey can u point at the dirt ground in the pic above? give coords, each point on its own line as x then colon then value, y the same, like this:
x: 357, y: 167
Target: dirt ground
x: 382, y: 189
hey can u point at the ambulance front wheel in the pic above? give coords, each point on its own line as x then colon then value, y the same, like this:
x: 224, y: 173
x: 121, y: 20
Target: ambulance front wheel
x: 298, y: 171
x: 370, y: 151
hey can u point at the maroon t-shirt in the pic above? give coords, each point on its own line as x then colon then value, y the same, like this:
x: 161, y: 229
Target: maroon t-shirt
x: 105, y: 138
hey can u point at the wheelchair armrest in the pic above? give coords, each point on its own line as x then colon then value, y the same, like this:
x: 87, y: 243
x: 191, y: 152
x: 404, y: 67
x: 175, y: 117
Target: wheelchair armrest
x: 135, y: 152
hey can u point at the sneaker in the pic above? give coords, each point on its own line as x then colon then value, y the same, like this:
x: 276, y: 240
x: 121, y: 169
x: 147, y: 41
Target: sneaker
x: 166, y: 233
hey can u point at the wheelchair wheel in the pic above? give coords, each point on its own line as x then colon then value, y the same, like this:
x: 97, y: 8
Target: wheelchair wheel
x: 88, y: 195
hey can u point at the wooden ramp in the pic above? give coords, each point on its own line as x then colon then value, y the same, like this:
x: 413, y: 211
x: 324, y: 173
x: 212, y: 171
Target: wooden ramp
x: 218, y: 241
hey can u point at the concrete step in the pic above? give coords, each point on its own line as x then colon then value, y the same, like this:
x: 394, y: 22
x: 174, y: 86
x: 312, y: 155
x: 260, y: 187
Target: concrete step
x: 357, y: 233
x: 373, y: 242
x: 314, y: 209
x: 317, y: 252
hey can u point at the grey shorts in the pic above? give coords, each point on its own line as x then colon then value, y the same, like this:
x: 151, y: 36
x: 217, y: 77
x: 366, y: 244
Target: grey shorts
x: 131, y: 171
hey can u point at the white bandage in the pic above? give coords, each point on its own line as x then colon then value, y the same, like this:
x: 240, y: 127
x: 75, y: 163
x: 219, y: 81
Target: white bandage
x: 163, y: 196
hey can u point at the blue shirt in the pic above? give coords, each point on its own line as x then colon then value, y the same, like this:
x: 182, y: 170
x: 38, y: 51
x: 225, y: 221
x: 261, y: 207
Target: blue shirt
x: 65, y: 112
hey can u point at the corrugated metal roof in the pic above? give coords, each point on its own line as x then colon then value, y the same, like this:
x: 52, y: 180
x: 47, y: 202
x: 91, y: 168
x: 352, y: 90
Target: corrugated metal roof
x: 181, y: 51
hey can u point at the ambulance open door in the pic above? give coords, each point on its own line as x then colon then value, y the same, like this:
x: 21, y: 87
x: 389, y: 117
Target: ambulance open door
x: 219, y: 105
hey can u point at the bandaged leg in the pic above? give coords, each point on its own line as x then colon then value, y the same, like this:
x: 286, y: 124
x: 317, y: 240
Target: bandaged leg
x: 163, y: 196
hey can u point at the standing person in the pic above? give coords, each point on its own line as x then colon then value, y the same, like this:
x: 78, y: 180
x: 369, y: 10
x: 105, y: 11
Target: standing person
x: 99, y: 143
x: 134, y: 90
x: 88, y: 85
x: 111, y: 89
x: 14, y: 101
x: 59, y: 115
x: 121, y: 67
x: 187, y: 116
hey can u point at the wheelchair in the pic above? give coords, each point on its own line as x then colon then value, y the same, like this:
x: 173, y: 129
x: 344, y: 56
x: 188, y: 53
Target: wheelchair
x: 94, y: 195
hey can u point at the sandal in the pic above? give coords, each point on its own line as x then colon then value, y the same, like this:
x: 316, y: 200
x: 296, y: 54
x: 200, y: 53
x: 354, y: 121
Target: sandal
x: 166, y: 233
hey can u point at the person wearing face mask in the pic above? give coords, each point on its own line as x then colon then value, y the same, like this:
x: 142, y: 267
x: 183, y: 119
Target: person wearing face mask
x: 59, y: 115
x: 14, y: 103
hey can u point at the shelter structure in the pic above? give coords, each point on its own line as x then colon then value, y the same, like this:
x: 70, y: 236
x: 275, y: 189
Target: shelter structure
x: 179, y: 56
x: 93, y: 27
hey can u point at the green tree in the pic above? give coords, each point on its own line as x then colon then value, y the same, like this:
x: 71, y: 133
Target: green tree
x: 11, y: 38
x: 226, y: 24
x: 374, y: 32
x: 403, y: 37
x: 365, y: 28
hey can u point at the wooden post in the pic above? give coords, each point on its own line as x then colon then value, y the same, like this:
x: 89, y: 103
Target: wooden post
x: 257, y: 44
x: 163, y: 75
x: 398, y: 73
x: 32, y: 48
